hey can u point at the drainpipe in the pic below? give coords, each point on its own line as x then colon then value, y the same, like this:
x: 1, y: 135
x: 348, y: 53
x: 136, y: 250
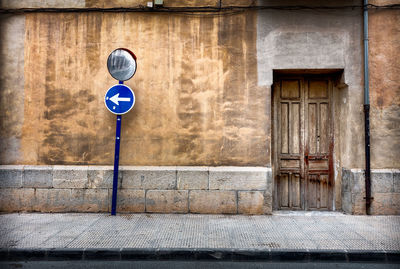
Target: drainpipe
x: 366, y: 114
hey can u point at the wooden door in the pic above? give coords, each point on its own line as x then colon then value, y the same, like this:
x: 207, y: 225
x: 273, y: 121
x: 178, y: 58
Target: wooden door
x: 303, y: 129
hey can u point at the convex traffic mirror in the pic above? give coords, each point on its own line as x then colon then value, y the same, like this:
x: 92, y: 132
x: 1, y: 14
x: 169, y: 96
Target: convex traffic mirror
x: 121, y: 64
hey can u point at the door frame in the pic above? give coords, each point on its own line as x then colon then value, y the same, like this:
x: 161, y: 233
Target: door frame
x: 275, y: 137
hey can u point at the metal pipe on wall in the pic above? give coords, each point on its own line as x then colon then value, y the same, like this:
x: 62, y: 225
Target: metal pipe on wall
x: 366, y: 115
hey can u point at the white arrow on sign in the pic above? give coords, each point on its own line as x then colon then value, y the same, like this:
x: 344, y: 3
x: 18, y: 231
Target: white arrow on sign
x: 116, y: 99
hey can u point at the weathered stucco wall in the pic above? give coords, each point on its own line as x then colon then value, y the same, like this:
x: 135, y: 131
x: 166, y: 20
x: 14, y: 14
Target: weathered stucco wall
x: 198, y: 102
x: 117, y: 3
x: 12, y: 93
x: 384, y: 49
x: 315, y: 39
x: 203, y: 82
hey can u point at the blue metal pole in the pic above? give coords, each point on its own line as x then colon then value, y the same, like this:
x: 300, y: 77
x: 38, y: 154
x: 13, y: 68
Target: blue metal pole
x: 116, y: 163
x: 366, y: 67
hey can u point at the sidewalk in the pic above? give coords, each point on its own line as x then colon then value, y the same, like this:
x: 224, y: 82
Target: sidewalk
x: 225, y: 237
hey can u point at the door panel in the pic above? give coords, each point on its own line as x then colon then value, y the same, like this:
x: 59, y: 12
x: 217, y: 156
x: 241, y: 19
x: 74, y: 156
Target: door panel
x: 290, y: 89
x: 318, y: 192
x: 284, y: 128
x: 317, y: 145
x: 291, y: 183
x: 290, y: 187
x: 324, y: 128
x: 317, y: 164
x: 304, y: 143
x: 283, y: 188
x: 294, y: 139
x: 317, y: 89
x: 295, y: 197
x: 312, y: 127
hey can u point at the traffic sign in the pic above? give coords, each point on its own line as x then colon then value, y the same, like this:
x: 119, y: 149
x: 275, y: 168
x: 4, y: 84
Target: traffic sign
x: 119, y: 99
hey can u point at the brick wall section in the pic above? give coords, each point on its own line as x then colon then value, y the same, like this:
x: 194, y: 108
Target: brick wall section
x: 385, y: 190
x: 158, y: 189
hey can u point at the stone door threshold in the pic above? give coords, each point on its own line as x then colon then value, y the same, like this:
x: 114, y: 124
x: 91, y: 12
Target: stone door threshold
x: 306, y: 213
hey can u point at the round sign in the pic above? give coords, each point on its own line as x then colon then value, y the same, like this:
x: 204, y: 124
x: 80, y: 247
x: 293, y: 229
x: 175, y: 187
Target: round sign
x: 119, y: 99
x: 121, y: 64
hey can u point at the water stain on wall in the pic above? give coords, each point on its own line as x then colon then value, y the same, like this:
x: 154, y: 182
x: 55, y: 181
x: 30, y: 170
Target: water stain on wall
x: 384, y: 41
x: 12, y: 32
x: 198, y: 102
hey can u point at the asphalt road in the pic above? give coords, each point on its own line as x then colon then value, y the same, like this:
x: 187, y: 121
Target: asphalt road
x: 190, y: 264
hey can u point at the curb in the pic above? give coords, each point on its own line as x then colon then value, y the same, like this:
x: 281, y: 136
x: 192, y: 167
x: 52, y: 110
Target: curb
x: 128, y: 254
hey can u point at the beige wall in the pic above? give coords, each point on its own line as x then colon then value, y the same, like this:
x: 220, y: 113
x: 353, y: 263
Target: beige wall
x: 117, y: 3
x: 198, y: 102
x: 202, y: 86
x: 12, y: 97
x: 384, y: 42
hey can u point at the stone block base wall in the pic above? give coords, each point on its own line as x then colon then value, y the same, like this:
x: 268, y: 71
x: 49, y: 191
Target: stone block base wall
x: 225, y: 190
x: 385, y: 190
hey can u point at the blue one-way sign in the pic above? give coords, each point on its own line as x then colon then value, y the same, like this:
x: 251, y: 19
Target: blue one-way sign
x: 119, y: 99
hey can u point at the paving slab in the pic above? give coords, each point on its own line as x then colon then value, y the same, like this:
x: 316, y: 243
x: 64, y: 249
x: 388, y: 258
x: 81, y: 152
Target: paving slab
x: 227, y: 237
